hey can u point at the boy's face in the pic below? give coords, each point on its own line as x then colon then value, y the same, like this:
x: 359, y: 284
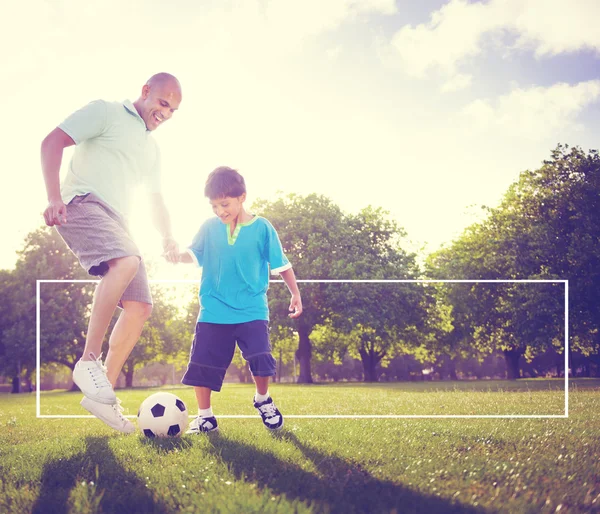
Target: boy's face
x: 228, y: 208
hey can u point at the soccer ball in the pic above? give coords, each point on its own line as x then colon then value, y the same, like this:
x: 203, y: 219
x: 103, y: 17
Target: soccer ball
x: 162, y: 415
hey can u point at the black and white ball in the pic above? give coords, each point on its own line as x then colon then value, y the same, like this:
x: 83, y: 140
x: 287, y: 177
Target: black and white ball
x: 162, y: 415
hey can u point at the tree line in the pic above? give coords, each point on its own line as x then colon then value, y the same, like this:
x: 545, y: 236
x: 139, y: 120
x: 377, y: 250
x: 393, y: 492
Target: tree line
x: 545, y: 228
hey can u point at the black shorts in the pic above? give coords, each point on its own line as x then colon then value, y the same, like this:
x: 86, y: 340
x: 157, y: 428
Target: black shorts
x: 213, y: 348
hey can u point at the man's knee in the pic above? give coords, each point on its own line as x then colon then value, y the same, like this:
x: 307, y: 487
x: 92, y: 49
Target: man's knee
x: 127, y: 266
x: 139, y: 310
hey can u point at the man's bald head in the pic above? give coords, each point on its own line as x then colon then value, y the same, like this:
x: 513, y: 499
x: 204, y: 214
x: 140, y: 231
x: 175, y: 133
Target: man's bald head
x: 162, y: 79
x: 160, y: 98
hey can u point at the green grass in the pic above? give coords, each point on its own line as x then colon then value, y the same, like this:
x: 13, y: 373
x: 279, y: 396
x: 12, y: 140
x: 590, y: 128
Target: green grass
x: 398, y: 466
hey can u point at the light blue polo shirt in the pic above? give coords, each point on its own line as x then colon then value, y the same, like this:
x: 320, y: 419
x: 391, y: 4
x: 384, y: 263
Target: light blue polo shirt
x: 235, y: 269
x: 114, y: 154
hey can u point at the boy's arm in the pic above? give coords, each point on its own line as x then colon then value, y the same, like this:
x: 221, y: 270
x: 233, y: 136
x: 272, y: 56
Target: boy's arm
x: 289, y: 278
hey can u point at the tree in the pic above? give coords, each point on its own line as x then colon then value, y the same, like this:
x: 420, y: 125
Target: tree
x: 323, y: 243
x: 546, y: 227
x: 563, y: 196
x: 44, y: 256
x: 311, y: 232
x: 16, y: 359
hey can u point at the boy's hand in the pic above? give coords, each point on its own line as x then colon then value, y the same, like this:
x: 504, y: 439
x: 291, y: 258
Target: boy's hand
x: 295, y: 306
x: 172, y: 256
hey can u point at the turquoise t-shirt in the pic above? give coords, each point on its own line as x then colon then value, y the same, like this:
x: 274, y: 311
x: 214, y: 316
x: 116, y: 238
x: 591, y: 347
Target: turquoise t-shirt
x: 235, y: 269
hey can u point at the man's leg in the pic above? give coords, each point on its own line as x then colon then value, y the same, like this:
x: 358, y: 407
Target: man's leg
x: 106, y: 298
x: 89, y: 373
x: 125, y: 334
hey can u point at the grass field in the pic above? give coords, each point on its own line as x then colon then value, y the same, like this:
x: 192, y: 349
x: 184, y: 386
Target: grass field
x: 429, y: 465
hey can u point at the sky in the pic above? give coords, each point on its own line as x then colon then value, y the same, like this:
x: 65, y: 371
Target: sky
x: 428, y: 109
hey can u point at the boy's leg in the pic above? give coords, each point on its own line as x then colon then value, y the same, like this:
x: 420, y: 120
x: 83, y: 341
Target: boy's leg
x: 262, y: 385
x: 253, y: 340
x: 212, y: 351
x: 205, y: 421
x: 264, y: 404
x: 203, y: 397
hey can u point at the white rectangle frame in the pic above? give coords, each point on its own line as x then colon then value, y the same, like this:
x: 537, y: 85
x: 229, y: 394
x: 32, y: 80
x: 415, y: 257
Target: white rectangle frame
x: 335, y: 416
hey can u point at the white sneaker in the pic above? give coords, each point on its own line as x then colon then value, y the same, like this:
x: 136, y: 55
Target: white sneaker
x: 200, y: 424
x: 110, y: 414
x: 90, y: 377
x: 271, y: 417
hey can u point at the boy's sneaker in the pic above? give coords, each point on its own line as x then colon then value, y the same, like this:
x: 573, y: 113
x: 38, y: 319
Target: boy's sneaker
x: 271, y: 417
x: 110, y: 414
x: 200, y: 424
x: 90, y: 377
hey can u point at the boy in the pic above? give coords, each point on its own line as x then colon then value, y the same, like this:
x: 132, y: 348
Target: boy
x: 235, y: 250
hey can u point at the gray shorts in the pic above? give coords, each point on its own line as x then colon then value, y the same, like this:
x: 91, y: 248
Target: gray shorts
x: 96, y: 233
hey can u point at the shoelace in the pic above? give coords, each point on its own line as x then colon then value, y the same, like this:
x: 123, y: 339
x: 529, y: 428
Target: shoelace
x: 118, y: 408
x: 99, y: 372
x: 268, y: 409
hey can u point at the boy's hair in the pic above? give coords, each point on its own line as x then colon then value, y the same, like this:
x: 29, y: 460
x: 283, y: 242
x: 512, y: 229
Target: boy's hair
x: 224, y: 181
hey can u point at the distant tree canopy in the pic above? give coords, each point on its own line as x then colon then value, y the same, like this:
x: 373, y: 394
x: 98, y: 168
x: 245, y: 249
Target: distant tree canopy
x: 547, y: 227
x: 324, y: 243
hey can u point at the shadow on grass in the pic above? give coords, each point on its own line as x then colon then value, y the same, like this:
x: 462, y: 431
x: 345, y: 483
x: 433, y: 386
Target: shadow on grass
x: 338, y: 486
x: 166, y: 444
x: 116, y: 489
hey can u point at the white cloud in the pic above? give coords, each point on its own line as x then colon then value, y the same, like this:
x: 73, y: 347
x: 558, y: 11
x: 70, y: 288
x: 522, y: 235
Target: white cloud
x: 457, y: 82
x: 333, y: 53
x: 288, y: 24
x: 312, y: 17
x: 537, y: 113
x: 458, y: 31
x: 557, y: 26
x: 452, y: 35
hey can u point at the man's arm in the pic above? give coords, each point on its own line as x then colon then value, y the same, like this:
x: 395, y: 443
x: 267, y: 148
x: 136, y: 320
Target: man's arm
x: 162, y: 221
x: 52, y: 152
x: 289, y: 278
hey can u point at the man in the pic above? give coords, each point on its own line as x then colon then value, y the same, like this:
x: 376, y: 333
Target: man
x: 115, y: 152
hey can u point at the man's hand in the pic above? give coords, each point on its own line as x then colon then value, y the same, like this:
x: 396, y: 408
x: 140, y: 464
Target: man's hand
x: 169, y: 245
x: 170, y: 249
x: 55, y: 213
x: 295, y: 306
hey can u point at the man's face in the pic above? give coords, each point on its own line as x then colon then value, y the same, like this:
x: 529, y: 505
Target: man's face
x: 228, y: 208
x: 159, y: 102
